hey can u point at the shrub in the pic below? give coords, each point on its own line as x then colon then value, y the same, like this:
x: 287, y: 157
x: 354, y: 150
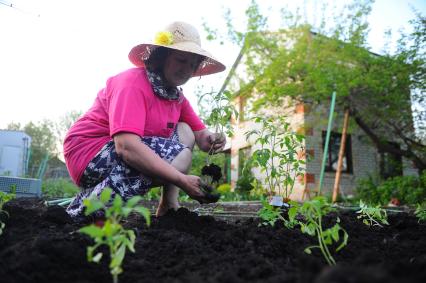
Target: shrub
x: 152, y: 194
x: 224, y: 188
x: 245, y: 182
x: 57, y: 188
x: 407, y: 189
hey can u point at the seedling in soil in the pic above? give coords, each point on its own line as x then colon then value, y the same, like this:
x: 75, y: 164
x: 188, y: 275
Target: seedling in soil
x: 421, y: 212
x: 279, y: 154
x: 218, y: 117
x: 111, y: 233
x: 271, y: 214
x: 312, y: 213
x: 4, y: 197
x: 372, y: 216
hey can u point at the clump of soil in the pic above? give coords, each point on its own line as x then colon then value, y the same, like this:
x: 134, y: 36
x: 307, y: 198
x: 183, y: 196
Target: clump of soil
x: 42, y: 244
x: 212, y: 170
x: 212, y: 174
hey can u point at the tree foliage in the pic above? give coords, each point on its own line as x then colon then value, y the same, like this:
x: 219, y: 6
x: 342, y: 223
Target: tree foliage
x: 46, y: 137
x: 43, y: 141
x: 308, y: 63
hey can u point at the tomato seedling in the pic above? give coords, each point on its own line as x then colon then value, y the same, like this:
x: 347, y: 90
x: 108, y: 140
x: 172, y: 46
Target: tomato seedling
x: 112, y: 233
x: 372, y: 215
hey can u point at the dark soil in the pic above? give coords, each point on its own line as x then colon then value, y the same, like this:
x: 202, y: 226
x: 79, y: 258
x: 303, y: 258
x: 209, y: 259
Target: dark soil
x: 41, y: 244
x: 212, y: 170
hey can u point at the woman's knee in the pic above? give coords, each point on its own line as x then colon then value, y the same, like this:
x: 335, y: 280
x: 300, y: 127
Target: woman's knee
x: 183, y: 161
x: 186, y: 135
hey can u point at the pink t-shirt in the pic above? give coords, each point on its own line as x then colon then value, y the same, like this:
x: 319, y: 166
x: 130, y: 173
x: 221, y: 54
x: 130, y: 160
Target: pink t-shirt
x: 126, y: 104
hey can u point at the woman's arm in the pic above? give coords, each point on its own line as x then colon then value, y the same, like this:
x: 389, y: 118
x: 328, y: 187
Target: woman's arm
x: 139, y: 156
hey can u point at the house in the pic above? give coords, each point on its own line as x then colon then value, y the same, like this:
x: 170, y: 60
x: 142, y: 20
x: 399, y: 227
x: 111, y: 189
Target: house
x: 360, y: 159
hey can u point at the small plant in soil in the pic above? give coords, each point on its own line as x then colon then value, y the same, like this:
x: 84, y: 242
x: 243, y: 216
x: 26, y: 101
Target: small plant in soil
x: 4, y: 197
x: 372, y: 215
x: 420, y: 212
x: 111, y: 233
x: 218, y: 116
x: 271, y: 214
x: 279, y: 154
x: 312, y: 213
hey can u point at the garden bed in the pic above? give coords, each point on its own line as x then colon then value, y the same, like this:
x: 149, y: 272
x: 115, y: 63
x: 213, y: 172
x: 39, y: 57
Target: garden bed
x: 40, y: 244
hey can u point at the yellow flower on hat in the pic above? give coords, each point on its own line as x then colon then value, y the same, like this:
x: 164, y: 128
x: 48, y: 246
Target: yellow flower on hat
x: 164, y: 38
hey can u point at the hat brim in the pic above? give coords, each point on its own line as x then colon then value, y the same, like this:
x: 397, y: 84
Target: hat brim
x: 208, y: 66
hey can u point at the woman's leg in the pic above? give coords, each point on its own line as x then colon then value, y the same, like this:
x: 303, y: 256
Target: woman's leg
x: 182, y: 162
x: 108, y: 170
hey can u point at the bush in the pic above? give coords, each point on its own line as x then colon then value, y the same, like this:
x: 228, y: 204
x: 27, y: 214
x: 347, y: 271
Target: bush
x: 153, y: 194
x: 58, y: 188
x: 245, y: 181
x: 224, y: 188
x: 407, y: 189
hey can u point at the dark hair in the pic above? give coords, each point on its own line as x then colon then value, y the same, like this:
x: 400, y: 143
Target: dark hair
x: 157, y: 58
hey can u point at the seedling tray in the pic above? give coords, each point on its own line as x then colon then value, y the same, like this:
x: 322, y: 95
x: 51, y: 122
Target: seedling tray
x: 23, y: 187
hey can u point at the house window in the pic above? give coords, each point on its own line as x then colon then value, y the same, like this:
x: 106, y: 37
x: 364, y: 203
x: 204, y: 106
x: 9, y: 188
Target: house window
x: 333, y: 152
x: 390, y: 164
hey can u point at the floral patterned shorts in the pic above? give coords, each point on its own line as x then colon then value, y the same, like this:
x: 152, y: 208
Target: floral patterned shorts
x: 107, y: 169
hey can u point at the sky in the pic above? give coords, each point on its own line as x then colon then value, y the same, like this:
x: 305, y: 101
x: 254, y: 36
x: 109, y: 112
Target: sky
x: 55, y: 55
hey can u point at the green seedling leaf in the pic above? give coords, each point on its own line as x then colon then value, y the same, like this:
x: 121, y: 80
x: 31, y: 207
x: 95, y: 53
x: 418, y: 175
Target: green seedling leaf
x: 335, y: 232
x: 308, y: 251
x: 131, y: 238
x: 133, y: 201
x: 118, y: 257
x: 117, y: 203
x: 126, y: 211
x: 106, y: 195
x: 97, y: 258
x: 92, y: 206
x: 344, y: 242
x: 92, y: 231
x: 145, y: 213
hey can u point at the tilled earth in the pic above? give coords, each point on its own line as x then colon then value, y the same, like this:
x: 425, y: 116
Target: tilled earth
x: 41, y: 244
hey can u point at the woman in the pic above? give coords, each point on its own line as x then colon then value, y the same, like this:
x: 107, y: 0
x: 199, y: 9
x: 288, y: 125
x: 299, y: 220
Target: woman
x: 141, y: 130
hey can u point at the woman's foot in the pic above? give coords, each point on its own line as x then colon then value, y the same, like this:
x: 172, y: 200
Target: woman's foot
x: 164, y: 207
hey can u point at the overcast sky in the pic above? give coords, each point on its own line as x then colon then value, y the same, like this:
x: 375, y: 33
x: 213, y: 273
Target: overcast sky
x: 56, y: 54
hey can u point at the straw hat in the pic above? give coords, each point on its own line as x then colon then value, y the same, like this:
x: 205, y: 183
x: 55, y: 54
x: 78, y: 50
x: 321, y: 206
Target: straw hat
x: 180, y: 36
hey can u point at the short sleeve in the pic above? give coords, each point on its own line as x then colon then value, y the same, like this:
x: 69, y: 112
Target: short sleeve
x: 189, y: 116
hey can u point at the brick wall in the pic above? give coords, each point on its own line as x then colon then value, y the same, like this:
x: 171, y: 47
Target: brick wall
x: 311, y: 121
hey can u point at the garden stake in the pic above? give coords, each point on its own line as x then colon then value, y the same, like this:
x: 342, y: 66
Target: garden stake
x: 327, y: 140
x: 341, y: 153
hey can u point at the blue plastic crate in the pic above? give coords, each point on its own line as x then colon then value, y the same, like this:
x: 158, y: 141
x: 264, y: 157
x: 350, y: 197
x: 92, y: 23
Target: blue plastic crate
x: 25, y: 187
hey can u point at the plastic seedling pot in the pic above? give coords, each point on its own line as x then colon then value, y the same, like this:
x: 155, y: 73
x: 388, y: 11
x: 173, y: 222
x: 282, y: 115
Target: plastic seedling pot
x: 276, y: 201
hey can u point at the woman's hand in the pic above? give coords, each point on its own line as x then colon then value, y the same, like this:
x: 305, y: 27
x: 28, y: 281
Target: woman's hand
x: 217, y: 142
x: 191, y: 185
x: 208, y: 141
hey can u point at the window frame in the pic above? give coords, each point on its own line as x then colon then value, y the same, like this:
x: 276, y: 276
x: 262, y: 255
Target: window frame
x: 334, y: 148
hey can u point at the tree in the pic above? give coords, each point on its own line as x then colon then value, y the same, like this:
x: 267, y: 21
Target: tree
x: 308, y: 63
x: 64, y: 124
x: 47, y: 137
x: 43, y: 141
